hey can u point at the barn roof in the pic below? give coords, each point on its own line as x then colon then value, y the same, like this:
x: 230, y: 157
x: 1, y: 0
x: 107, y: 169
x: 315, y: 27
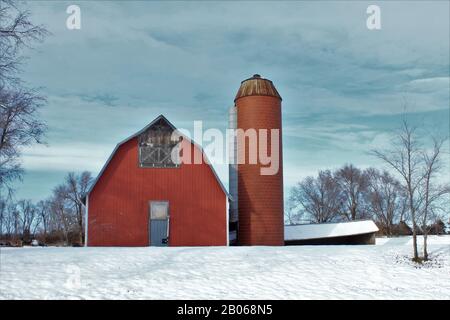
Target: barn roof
x: 142, y: 131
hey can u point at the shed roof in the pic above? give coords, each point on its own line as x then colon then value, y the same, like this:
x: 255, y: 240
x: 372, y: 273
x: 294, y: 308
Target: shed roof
x: 328, y: 230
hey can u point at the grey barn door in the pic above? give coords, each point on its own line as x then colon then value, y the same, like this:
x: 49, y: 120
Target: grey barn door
x: 159, y: 223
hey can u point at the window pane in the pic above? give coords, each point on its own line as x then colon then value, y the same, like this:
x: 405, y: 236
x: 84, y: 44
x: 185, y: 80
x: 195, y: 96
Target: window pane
x: 159, y: 210
x: 157, y: 144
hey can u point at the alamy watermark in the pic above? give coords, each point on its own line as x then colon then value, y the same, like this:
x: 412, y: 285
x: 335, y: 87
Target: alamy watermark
x: 73, y: 21
x: 236, y: 146
x: 373, y: 21
x: 73, y: 280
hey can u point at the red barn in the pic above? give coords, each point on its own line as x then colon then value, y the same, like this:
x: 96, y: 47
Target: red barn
x: 142, y: 197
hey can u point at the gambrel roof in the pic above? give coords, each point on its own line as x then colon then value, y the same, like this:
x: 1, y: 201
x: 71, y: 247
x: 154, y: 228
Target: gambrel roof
x: 144, y: 130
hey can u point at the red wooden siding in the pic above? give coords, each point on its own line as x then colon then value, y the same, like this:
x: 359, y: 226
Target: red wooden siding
x: 118, y: 204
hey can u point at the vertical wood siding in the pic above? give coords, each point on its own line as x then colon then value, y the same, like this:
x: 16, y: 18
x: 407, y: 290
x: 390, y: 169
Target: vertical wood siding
x: 118, y: 204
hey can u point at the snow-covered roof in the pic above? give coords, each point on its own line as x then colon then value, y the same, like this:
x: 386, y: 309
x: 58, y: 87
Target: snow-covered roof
x: 328, y: 230
x: 145, y: 129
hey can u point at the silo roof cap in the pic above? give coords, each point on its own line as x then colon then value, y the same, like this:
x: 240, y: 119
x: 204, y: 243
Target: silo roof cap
x: 257, y: 86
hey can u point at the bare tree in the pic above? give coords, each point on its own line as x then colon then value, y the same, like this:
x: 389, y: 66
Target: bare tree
x: 63, y: 213
x: 405, y: 159
x: 3, y: 213
x: 44, y: 212
x: 76, y: 188
x: 28, y: 214
x: 385, y: 199
x: 19, y: 127
x: 353, y: 183
x: 16, y: 32
x: 319, y: 198
x: 430, y: 192
x: 292, y: 216
x: 19, y: 124
x: 8, y: 220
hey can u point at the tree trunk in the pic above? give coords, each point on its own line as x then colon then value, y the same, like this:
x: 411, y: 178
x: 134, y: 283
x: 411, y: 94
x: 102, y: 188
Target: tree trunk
x: 353, y: 210
x: 416, y: 253
x: 80, y: 223
x: 80, y: 233
x: 425, y: 249
x: 413, y: 215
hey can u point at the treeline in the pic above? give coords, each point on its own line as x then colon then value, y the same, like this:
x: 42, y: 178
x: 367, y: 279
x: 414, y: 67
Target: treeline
x: 416, y: 194
x: 58, y: 220
x: 350, y: 193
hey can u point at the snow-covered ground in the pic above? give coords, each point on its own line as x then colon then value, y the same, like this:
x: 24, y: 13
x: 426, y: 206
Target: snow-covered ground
x: 293, y: 272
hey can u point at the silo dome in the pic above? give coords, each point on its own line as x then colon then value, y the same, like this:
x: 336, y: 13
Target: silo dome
x: 257, y: 86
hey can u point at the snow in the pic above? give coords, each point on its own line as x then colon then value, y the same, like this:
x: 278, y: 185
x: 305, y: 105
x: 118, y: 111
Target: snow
x: 326, y: 230
x: 382, y: 271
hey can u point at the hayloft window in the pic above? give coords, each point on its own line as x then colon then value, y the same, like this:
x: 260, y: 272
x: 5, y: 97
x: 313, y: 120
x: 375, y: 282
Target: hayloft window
x: 156, y: 146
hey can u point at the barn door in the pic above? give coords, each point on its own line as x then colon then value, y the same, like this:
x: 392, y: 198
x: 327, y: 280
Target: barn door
x: 159, y: 223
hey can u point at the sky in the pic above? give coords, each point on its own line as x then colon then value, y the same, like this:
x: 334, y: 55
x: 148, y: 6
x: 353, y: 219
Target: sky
x: 345, y: 88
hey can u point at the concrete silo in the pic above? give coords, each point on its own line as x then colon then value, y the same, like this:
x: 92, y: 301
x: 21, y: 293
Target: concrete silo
x: 259, y: 200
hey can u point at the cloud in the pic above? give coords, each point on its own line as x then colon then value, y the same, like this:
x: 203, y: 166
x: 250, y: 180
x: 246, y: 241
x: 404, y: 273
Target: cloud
x: 430, y: 85
x: 343, y: 86
x: 105, y: 98
x: 65, y: 158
